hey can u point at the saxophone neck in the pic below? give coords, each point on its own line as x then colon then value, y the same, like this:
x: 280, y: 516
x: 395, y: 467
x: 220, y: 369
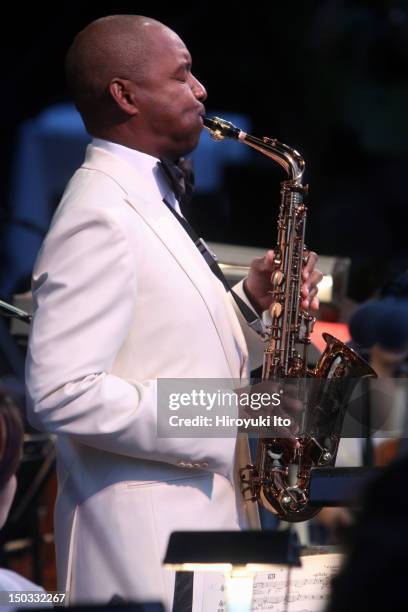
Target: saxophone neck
x: 289, y: 159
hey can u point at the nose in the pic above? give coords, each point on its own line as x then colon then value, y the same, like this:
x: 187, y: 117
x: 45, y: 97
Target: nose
x: 198, y: 89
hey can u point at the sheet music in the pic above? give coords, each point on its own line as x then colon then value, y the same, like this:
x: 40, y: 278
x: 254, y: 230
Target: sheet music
x: 307, y: 588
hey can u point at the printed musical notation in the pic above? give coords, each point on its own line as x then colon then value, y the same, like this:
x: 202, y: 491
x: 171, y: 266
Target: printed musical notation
x: 303, y: 589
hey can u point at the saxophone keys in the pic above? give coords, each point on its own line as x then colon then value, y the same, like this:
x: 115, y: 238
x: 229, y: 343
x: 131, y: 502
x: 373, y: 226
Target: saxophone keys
x: 275, y: 310
x: 277, y: 279
x: 305, y: 254
x: 309, y: 322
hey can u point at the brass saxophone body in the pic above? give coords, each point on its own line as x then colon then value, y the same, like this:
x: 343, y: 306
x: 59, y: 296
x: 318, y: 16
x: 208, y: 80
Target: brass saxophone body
x: 288, y: 328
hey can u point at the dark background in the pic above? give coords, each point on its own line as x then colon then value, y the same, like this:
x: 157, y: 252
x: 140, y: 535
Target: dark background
x: 328, y: 77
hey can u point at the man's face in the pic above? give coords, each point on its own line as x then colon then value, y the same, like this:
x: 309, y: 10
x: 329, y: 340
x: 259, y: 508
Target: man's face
x: 170, y: 99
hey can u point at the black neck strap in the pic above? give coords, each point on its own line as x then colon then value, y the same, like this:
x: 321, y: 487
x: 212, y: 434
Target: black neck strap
x: 251, y: 318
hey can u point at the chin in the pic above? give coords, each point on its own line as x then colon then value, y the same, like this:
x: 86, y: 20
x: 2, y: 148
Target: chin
x: 189, y: 148
x: 186, y: 145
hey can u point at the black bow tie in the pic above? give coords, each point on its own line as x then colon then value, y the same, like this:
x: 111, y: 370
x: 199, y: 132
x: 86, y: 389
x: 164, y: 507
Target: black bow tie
x: 180, y: 178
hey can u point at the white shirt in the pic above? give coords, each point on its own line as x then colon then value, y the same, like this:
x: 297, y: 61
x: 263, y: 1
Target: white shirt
x: 144, y: 164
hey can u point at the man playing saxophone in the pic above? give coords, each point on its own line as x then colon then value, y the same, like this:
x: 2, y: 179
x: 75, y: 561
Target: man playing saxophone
x: 123, y: 297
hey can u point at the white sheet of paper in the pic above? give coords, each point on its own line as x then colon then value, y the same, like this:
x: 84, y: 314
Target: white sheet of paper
x: 307, y: 588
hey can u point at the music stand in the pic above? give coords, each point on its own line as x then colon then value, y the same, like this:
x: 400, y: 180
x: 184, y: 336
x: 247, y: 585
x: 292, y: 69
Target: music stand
x: 238, y: 554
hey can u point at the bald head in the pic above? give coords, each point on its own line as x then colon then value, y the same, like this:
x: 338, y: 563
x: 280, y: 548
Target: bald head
x: 132, y: 82
x: 113, y: 46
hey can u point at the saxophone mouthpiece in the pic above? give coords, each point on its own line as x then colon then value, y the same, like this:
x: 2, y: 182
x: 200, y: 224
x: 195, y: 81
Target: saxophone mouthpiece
x: 221, y: 129
x: 209, y: 123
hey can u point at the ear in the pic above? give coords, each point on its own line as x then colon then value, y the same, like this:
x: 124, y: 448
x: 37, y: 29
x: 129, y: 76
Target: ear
x: 122, y: 92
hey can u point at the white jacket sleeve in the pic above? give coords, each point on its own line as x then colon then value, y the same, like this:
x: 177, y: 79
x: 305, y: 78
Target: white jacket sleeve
x: 255, y: 343
x: 84, y: 294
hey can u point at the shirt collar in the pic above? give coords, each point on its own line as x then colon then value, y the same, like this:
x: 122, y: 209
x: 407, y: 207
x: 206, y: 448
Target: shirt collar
x: 143, y: 164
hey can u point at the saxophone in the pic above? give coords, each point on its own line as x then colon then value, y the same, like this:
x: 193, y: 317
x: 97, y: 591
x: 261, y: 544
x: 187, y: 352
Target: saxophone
x: 325, y: 389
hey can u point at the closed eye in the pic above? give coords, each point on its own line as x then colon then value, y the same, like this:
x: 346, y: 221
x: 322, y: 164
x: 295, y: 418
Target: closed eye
x: 182, y: 73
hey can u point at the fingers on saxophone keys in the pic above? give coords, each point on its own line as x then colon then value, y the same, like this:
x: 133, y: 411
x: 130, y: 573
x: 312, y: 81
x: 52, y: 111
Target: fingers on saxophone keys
x: 314, y: 305
x: 267, y: 262
x: 289, y: 389
x: 310, y: 301
x: 294, y: 427
x: 309, y: 290
x: 263, y: 264
x: 291, y: 404
x: 315, y: 278
x: 309, y: 265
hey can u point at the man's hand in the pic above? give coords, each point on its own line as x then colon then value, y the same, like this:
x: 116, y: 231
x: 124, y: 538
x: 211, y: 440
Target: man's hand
x: 258, y: 283
x: 278, y: 400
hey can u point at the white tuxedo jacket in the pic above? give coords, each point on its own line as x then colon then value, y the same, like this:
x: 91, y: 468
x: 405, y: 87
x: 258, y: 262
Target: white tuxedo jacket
x: 122, y: 296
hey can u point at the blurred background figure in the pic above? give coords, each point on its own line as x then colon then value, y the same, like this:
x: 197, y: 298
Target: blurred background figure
x: 379, y: 331
x: 11, y: 446
x: 374, y: 573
